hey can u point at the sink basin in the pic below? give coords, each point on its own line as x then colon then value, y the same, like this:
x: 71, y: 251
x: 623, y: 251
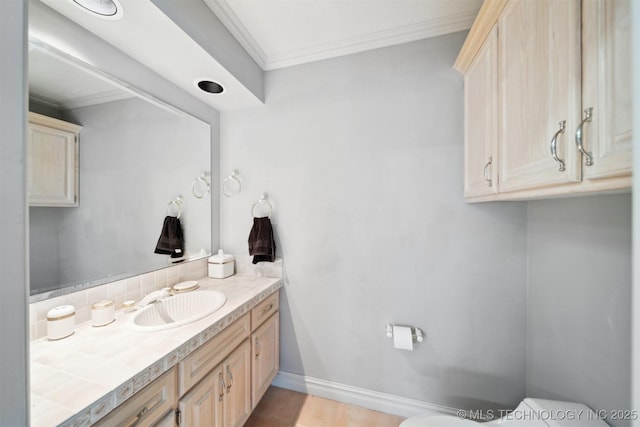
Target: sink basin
x: 177, y: 310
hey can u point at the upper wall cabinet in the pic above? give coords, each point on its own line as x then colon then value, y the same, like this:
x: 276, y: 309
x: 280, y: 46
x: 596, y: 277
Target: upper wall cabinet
x: 563, y: 104
x: 606, y: 94
x: 52, y: 162
x: 481, y: 120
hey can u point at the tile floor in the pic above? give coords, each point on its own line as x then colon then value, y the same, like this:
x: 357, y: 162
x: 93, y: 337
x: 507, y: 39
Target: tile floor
x: 286, y: 408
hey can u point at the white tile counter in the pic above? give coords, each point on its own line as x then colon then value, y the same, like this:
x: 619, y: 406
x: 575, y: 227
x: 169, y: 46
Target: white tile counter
x: 77, y: 380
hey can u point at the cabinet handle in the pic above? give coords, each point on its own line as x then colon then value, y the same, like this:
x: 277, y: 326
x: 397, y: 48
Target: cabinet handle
x: 487, y: 176
x: 230, y: 379
x: 139, y: 416
x: 266, y: 309
x: 257, y: 348
x: 587, y: 119
x: 223, y: 385
x: 554, y: 146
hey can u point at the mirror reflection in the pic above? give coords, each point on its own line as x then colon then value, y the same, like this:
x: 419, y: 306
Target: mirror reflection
x: 135, y: 156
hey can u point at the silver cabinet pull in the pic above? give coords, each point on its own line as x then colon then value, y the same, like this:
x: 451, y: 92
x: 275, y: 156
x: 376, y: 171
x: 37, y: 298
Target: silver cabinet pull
x: 223, y: 386
x: 587, y: 119
x: 230, y: 379
x: 554, y: 146
x: 139, y: 417
x: 257, y: 348
x: 487, y: 176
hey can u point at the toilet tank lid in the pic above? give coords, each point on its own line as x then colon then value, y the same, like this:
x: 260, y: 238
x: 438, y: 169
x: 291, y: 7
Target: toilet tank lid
x: 556, y: 413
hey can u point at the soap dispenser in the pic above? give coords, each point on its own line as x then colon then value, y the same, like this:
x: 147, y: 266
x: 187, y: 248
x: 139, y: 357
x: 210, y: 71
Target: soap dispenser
x: 221, y: 265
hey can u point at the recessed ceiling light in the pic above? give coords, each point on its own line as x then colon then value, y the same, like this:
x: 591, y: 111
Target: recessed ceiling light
x: 104, y: 8
x: 209, y: 86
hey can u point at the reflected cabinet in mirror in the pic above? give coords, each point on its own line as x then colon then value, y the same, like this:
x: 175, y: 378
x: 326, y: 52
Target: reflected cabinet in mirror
x: 134, y: 156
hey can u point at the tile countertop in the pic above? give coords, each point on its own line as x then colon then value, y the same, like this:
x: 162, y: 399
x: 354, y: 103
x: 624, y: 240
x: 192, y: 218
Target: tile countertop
x: 78, y: 380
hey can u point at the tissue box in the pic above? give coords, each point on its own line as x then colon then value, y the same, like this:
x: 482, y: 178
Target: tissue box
x: 221, y: 265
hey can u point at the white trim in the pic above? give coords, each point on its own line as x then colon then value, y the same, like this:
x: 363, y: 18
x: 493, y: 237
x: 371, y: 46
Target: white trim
x: 388, y: 403
x: 375, y: 40
x: 227, y: 16
x: 394, y: 36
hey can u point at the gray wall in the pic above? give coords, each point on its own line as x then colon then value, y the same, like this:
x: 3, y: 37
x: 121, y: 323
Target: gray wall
x: 134, y: 159
x: 579, y: 301
x: 14, y: 336
x: 362, y: 159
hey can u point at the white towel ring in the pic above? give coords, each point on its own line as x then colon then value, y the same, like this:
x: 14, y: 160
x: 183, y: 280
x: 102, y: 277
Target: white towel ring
x: 262, y: 201
x: 201, y: 181
x: 177, y: 203
x: 231, y: 185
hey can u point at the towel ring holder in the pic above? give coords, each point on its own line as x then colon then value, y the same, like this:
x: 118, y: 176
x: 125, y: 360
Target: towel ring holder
x: 177, y: 203
x: 201, y: 181
x: 231, y: 185
x: 262, y: 201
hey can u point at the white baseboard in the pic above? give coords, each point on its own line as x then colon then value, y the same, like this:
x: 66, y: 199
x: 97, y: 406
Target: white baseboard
x: 375, y: 400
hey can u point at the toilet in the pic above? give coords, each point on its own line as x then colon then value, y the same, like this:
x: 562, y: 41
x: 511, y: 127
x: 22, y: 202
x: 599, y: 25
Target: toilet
x: 529, y: 413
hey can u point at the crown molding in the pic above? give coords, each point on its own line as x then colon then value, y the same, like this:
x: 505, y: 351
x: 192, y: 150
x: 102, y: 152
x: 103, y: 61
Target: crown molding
x: 229, y: 19
x: 394, y: 36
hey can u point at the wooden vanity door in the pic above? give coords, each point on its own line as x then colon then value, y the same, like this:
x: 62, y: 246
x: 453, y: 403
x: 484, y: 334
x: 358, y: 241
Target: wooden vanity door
x: 203, y: 405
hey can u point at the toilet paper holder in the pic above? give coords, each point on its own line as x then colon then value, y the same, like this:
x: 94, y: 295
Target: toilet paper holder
x: 416, y: 333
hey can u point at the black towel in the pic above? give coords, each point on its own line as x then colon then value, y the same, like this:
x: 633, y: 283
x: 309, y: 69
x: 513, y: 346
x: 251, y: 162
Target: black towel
x: 261, y: 243
x: 171, y: 241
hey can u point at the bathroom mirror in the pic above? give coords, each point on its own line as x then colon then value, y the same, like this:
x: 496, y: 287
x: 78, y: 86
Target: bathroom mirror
x: 137, y: 154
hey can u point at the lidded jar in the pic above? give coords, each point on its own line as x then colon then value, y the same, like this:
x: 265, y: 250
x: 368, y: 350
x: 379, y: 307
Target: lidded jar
x: 221, y: 265
x: 61, y: 322
x: 103, y: 312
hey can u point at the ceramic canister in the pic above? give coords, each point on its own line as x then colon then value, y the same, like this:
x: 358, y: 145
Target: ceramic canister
x: 61, y: 322
x: 221, y: 265
x: 103, y: 312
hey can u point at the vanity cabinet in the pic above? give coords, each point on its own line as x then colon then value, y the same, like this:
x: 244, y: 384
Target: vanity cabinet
x: 222, y: 382
x: 218, y: 384
x: 215, y: 380
x: 564, y: 106
x: 265, y: 341
x: 152, y: 406
x: 52, y: 161
x: 222, y: 398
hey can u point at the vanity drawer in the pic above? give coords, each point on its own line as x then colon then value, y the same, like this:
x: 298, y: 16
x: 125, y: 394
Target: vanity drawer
x: 147, y: 407
x: 264, y: 310
x: 198, y: 364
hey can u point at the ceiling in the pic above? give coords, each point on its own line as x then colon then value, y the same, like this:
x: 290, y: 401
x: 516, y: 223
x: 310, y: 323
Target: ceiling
x: 281, y: 33
x: 275, y: 33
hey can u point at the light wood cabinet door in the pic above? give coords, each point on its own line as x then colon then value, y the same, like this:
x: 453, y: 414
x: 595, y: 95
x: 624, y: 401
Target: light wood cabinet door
x: 481, y: 121
x: 52, y: 162
x: 203, y: 405
x: 265, y: 353
x: 606, y: 73
x: 237, y: 378
x: 540, y: 74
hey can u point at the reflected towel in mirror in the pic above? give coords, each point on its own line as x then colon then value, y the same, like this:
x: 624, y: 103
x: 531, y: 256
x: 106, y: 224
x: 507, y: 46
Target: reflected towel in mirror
x: 171, y: 241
